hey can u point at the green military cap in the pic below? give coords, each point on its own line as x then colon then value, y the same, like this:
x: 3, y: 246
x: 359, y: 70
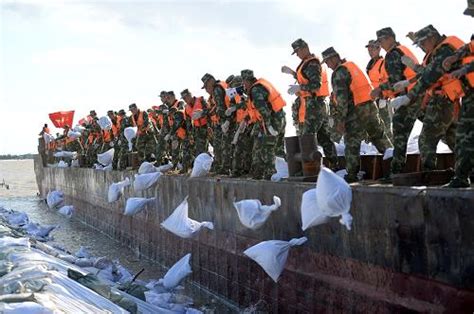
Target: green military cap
x: 372, y: 43
x: 236, y: 81
x: 162, y: 93
x: 110, y: 112
x: 92, y: 112
x: 297, y: 44
x: 247, y: 75
x: 229, y: 79
x: 121, y: 112
x: 134, y: 105
x: 170, y: 93
x: 206, y: 78
x: 424, y: 33
x: 385, y: 32
x: 470, y: 8
x: 328, y: 53
x: 185, y: 92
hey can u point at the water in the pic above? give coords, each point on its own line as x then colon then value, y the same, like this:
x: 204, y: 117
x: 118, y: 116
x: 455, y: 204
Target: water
x: 22, y: 195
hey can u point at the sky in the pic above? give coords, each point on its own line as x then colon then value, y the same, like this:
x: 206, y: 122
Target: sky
x: 102, y: 55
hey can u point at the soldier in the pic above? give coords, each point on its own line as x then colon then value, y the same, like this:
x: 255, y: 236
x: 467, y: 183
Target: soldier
x: 355, y: 113
x: 393, y: 71
x: 374, y: 69
x: 312, y: 90
x: 122, y: 143
x: 196, y: 120
x: 219, y: 102
x: 266, y: 105
x: 177, y: 133
x: 465, y: 130
x: 439, y: 119
x: 145, y: 141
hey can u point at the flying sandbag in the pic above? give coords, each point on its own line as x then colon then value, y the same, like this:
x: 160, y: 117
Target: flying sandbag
x: 116, y: 190
x: 177, y: 272
x: 106, y: 158
x: 130, y: 133
x: 54, y: 199
x: 253, y: 214
x: 281, y: 167
x: 181, y: 225
x: 105, y: 123
x: 334, y: 196
x: 311, y: 215
x: 145, y: 181
x: 136, y: 204
x: 271, y: 255
x: 147, y: 167
x: 202, y: 165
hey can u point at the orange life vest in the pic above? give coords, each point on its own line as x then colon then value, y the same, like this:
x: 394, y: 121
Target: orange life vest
x: 212, y: 111
x: 241, y: 114
x: 197, y: 106
x: 360, y: 85
x: 323, y: 91
x: 116, y: 126
x: 374, y: 72
x: 450, y: 86
x: 106, y: 136
x: 226, y: 97
x: 408, y: 73
x: 276, y: 101
x: 180, y: 132
x: 139, y: 123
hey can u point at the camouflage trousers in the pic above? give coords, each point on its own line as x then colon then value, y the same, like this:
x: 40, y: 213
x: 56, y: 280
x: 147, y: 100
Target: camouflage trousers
x: 146, y: 145
x: 176, y: 151
x: 279, y: 124
x: 364, y: 120
x: 187, y: 148
x: 242, y: 157
x: 385, y: 116
x: 439, y: 122
x: 121, y: 154
x: 402, y: 124
x: 216, y: 142
x: 201, y: 144
x: 227, y: 149
x: 263, y: 156
x: 465, y: 138
x: 316, y: 122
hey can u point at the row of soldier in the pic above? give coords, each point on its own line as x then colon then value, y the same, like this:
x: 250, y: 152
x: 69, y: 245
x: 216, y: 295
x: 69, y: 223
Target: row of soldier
x: 244, y: 121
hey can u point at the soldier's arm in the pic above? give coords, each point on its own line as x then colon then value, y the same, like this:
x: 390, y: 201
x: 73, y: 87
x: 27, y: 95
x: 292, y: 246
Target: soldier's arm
x: 219, y: 97
x: 312, y: 72
x: 341, y: 91
x: 260, y: 100
x: 432, y: 72
x: 146, y: 120
x: 394, y: 67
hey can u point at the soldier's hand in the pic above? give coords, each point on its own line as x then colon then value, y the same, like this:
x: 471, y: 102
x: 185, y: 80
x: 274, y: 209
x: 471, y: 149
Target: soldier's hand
x: 376, y: 93
x: 399, y: 102
x: 399, y: 86
x: 459, y: 73
x: 382, y: 103
x: 229, y: 111
x: 287, y: 70
x: 294, y: 89
x: 225, y: 127
x: 448, y: 62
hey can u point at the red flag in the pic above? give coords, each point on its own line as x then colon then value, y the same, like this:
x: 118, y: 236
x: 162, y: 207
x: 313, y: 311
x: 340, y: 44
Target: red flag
x: 62, y: 118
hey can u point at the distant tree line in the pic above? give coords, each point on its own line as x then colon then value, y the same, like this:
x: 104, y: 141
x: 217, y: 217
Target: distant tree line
x: 24, y: 156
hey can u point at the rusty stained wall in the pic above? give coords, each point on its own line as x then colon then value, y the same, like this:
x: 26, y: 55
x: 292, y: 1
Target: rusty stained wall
x: 409, y: 249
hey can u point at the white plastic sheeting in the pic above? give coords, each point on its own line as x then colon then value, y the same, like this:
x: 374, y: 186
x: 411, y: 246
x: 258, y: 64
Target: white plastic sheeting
x: 252, y: 214
x: 181, y: 225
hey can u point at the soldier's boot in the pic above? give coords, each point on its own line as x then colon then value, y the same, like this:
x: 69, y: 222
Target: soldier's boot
x: 457, y: 182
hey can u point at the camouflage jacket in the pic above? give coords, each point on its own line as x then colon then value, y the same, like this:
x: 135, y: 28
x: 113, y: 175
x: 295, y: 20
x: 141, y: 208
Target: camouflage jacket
x: 394, y: 67
x: 312, y: 72
x: 342, y: 96
x: 259, y: 97
x: 218, y: 96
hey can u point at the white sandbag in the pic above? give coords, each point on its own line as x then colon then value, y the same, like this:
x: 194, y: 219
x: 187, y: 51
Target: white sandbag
x: 181, y: 225
x: 136, y: 204
x: 253, y: 214
x: 62, y: 164
x: 74, y: 135
x: 75, y: 163
x: 65, y: 154
x: 116, y: 190
x: 147, y: 167
x: 107, y: 157
x: 271, y: 255
x: 177, y: 272
x: 165, y: 168
x: 54, y: 199
x: 79, y: 128
x: 66, y: 211
x: 281, y: 167
x: 334, y: 195
x: 17, y: 218
x: 108, y: 168
x: 130, y: 133
x: 83, y: 253
x: 145, y: 181
x: 9, y: 241
x: 311, y: 215
x: 48, y: 138
x: 105, y: 123
x: 202, y: 165
x: 27, y: 307
x: 37, y: 230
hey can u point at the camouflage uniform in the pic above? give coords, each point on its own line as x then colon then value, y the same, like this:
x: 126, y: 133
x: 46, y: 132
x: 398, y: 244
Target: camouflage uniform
x: 358, y: 120
x: 439, y: 119
x: 219, y: 96
x: 162, y: 126
x: 200, y: 136
x: 176, y: 121
x: 122, y: 144
x: 145, y: 141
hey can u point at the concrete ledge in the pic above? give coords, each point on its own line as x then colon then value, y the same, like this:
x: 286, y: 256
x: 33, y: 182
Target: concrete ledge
x: 409, y: 249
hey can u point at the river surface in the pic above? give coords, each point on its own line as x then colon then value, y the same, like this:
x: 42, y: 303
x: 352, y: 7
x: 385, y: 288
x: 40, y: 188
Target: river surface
x: 22, y: 195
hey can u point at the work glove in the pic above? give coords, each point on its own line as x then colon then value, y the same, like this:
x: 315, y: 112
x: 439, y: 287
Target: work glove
x: 399, y: 102
x: 287, y: 70
x: 229, y: 111
x: 331, y: 121
x: 376, y: 93
x: 294, y: 89
x: 272, y: 131
x: 409, y: 62
x: 167, y: 137
x: 196, y: 115
x: 174, y: 144
x: 225, y: 127
x: 119, y: 142
x: 401, y: 85
x: 231, y: 92
x: 382, y: 103
x: 112, y: 144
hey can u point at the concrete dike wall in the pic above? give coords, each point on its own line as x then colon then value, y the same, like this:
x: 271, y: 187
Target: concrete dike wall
x: 409, y: 248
